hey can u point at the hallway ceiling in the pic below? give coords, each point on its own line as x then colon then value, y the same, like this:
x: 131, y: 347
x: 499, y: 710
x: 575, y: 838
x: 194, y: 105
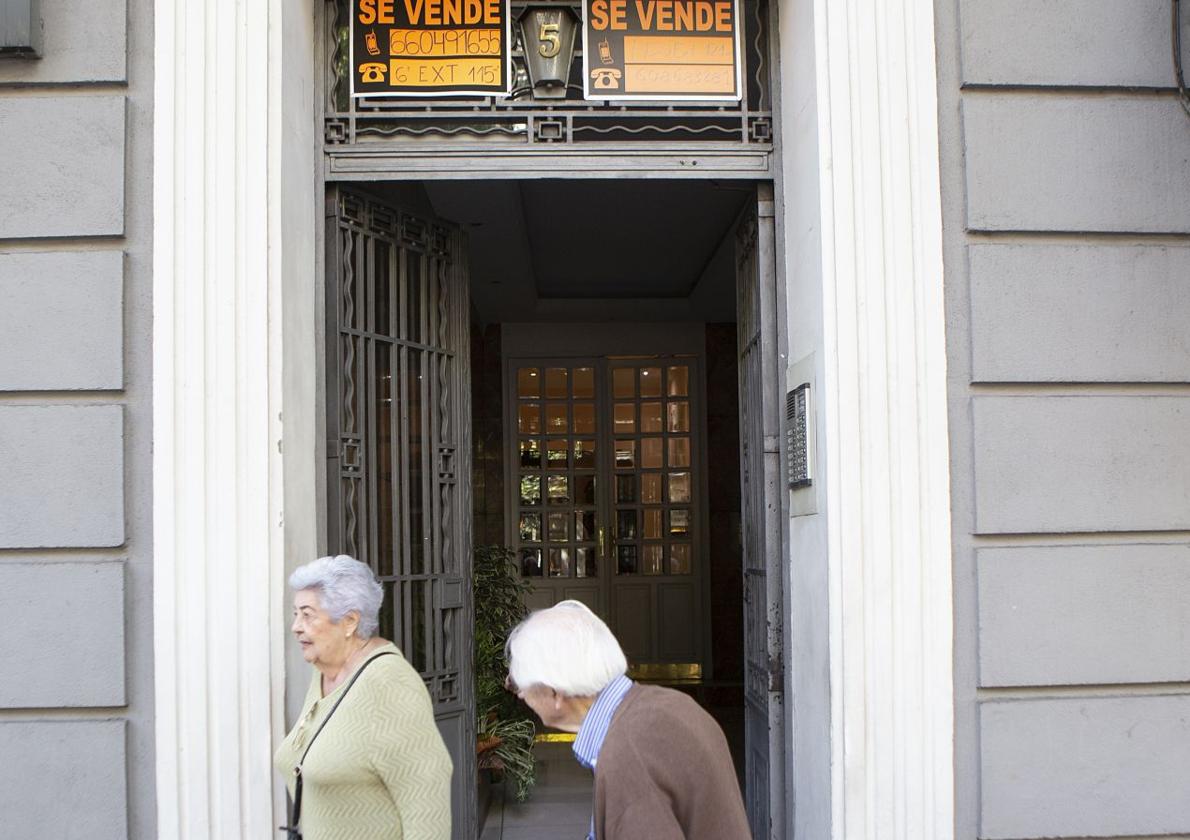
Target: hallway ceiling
x: 587, y: 250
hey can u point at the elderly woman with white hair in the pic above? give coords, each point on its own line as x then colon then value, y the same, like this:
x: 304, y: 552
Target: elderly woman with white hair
x: 662, y: 767
x: 365, y: 760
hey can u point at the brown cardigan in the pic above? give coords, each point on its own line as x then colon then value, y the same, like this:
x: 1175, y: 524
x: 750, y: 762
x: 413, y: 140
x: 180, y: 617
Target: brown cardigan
x: 665, y: 773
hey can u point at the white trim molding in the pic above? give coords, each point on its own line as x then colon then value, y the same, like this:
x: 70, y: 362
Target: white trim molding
x: 218, y: 625
x: 887, y: 452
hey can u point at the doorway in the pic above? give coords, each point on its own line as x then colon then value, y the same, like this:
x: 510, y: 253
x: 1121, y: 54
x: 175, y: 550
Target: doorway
x: 566, y: 347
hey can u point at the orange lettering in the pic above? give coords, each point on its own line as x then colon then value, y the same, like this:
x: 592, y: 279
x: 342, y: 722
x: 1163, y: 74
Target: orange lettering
x: 367, y: 11
x: 683, y: 16
x: 619, y: 12
x: 384, y: 11
x: 723, y: 17
x: 491, y: 11
x: 646, y: 18
x: 703, y: 16
x: 665, y: 11
x: 599, y: 15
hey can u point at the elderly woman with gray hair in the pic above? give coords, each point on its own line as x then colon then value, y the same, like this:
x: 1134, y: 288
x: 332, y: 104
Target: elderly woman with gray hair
x: 365, y: 760
x: 662, y: 767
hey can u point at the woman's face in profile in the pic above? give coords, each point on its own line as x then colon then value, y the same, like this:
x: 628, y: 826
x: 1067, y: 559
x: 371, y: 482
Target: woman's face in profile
x: 322, y: 641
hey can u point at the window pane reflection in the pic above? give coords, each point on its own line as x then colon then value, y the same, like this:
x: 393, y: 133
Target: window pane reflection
x: 531, y: 453
x: 556, y: 384
x: 679, y: 522
x: 584, y: 489
x: 584, y: 418
x: 652, y: 523
x: 530, y: 490
x: 679, y: 451
x: 626, y: 559
x: 679, y: 381
x: 679, y: 487
x: 584, y: 562
x: 556, y: 422
x: 559, y: 562
x: 650, y: 453
x: 650, y: 488
x: 679, y: 559
x: 584, y: 454
x: 653, y: 562
x: 678, y: 414
x: 624, y: 383
x: 625, y: 453
x: 650, y: 417
x: 626, y: 524
x: 584, y: 526
x: 531, y: 562
x: 559, y: 527
x: 625, y: 418
x: 650, y: 382
x: 528, y: 383
x: 558, y: 489
x: 584, y: 383
x: 530, y: 527
x: 557, y: 454
x: 528, y: 419
x: 625, y: 489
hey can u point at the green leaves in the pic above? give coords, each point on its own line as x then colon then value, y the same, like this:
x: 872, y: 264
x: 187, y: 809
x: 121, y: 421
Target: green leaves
x: 499, y: 607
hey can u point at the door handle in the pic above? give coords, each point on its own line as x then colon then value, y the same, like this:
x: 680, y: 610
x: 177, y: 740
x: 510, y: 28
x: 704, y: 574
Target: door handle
x: 602, y: 543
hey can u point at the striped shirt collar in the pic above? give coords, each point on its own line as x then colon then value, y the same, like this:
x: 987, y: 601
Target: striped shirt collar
x: 599, y: 718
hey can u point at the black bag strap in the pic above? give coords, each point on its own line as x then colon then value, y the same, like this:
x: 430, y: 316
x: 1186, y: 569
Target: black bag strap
x: 293, y: 832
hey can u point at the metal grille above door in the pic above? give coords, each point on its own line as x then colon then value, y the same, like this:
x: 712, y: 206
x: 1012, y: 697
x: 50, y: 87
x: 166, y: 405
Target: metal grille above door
x: 399, y: 445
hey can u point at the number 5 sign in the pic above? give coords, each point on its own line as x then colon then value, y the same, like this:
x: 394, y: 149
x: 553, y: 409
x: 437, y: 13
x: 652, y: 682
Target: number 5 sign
x: 548, y: 33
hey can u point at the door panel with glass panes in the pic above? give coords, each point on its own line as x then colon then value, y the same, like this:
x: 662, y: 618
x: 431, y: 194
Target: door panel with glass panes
x: 607, y: 497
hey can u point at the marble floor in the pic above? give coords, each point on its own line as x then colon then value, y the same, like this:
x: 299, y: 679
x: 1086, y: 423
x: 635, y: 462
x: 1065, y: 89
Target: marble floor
x: 560, y: 806
x: 559, y: 809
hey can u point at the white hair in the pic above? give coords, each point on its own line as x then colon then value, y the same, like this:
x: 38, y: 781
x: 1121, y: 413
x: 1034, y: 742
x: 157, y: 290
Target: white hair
x: 344, y: 585
x: 567, y: 648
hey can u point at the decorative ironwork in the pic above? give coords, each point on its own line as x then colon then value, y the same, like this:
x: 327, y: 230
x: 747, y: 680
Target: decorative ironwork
x: 522, y: 120
x: 398, y: 304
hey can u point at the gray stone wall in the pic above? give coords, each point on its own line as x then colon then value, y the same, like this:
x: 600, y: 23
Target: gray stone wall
x: 76, y: 677
x: 1066, y: 210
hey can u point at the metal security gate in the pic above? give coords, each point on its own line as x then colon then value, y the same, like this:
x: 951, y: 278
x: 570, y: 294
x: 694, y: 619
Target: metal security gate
x: 399, y: 445
x: 759, y: 394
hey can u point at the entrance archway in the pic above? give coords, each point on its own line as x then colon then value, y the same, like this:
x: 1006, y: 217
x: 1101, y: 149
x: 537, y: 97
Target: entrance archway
x: 606, y: 493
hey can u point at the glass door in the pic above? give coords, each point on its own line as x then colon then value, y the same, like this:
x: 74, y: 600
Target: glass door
x: 607, y: 494
x: 556, y: 499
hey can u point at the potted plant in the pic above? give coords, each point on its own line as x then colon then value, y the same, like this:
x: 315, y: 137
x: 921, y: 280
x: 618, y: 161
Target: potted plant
x: 505, y: 728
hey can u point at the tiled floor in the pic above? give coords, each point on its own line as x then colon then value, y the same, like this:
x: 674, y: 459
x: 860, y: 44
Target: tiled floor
x: 559, y: 809
x: 560, y: 805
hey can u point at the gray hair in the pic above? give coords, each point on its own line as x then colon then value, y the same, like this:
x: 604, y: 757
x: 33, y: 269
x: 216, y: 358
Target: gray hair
x: 567, y: 648
x: 344, y: 585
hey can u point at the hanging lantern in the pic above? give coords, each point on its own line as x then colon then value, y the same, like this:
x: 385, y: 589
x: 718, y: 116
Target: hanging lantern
x: 547, y: 36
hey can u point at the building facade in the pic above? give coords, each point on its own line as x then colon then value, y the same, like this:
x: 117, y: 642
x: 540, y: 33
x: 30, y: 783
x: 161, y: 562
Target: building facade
x: 965, y: 226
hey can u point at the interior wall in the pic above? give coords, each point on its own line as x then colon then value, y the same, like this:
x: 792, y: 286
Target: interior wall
x: 487, y: 434
x: 725, y: 549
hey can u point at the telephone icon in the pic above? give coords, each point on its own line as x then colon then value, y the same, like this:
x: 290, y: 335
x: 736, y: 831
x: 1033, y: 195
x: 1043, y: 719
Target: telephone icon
x: 370, y: 43
x: 372, y: 72
x: 605, y: 52
x: 605, y: 78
